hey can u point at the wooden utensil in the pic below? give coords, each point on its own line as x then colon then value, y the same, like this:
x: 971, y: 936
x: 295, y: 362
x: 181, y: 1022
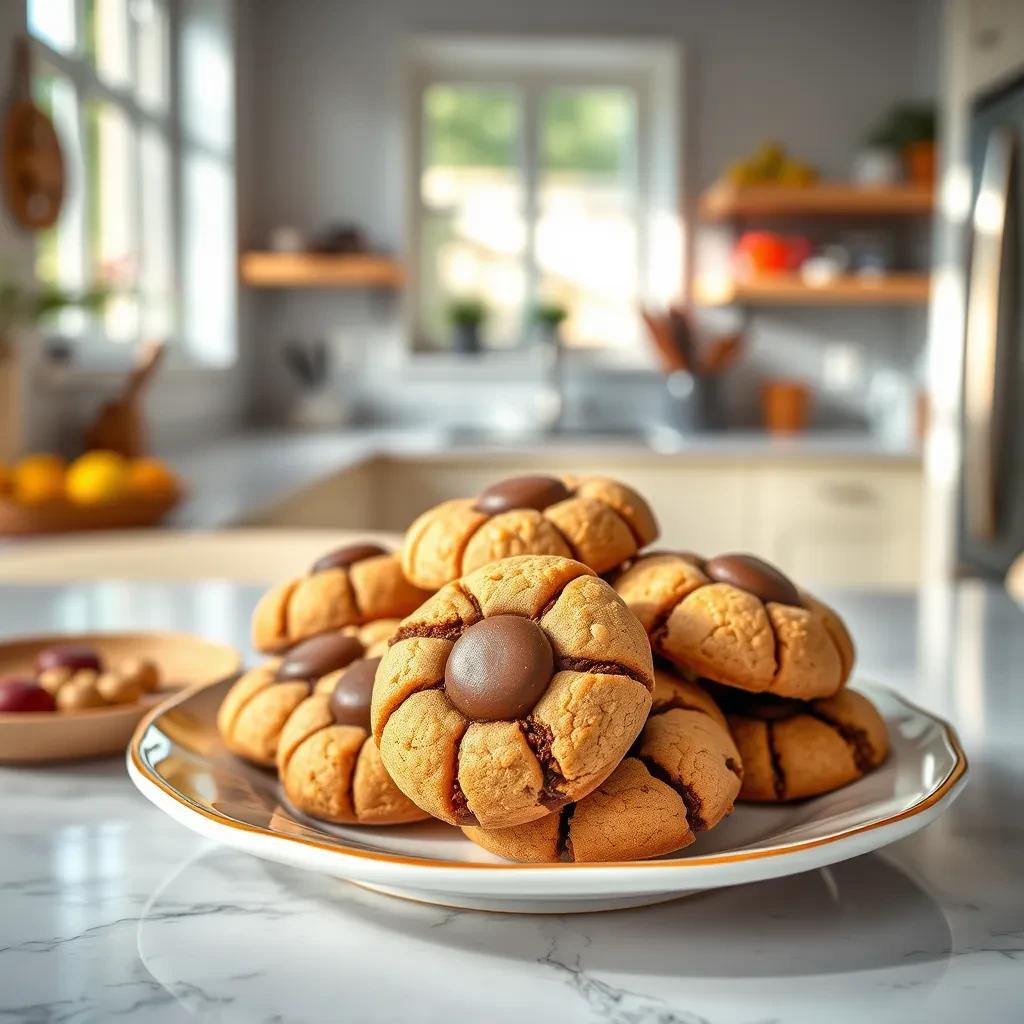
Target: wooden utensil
x: 661, y: 334
x: 33, y: 165
x: 679, y: 347
x: 120, y: 427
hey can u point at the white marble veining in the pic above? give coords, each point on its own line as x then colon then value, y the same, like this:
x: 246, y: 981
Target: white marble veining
x: 109, y: 911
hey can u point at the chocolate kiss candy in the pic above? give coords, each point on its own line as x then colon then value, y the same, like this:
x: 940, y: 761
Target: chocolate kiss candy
x: 499, y: 668
x: 754, y: 576
x: 342, y: 558
x: 536, y: 492
x: 317, y: 656
x: 350, y: 699
x: 72, y: 656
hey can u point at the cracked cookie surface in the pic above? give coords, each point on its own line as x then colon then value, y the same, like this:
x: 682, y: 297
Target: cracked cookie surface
x: 480, y: 718
x: 328, y: 764
x: 349, y: 586
x: 794, y: 749
x: 740, y: 622
x: 681, y: 776
x: 255, y: 709
x: 594, y: 520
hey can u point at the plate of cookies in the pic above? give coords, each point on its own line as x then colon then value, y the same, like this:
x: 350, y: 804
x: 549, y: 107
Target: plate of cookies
x: 72, y: 696
x: 525, y: 708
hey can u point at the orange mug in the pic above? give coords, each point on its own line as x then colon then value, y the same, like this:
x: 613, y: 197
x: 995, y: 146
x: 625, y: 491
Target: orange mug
x: 784, y: 406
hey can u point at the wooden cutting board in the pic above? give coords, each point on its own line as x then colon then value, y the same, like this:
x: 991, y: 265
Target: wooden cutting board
x: 31, y: 160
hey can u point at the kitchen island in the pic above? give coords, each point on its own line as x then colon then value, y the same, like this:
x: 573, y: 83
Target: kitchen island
x: 109, y: 910
x: 835, y: 508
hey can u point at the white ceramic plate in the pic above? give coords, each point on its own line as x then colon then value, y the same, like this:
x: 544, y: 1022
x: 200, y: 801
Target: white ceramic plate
x: 177, y: 760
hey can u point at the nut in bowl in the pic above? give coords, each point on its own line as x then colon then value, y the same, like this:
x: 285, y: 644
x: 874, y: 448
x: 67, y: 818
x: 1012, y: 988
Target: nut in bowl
x: 65, y: 697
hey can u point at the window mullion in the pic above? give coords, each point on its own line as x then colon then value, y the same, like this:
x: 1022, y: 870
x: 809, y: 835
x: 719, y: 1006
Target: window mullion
x: 530, y: 157
x: 176, y: 156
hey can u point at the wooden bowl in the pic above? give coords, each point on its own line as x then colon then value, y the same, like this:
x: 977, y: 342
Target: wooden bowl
x: 63, y: 516
x: 33, y: 736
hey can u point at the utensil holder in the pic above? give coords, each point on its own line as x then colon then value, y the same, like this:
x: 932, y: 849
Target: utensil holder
x: 693, y: 401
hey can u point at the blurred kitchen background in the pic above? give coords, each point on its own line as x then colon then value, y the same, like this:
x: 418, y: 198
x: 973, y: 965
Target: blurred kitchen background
x: 760, y: 259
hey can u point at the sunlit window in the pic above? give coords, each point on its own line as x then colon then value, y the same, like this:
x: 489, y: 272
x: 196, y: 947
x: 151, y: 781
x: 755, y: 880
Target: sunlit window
x: 532, y: 175
x: 133, y: 129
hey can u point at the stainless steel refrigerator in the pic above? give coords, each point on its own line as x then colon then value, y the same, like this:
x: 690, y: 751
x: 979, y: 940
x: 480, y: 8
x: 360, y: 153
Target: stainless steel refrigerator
x: 991, y: 519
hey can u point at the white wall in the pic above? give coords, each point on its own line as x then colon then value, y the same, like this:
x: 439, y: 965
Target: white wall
x: 324, y: 109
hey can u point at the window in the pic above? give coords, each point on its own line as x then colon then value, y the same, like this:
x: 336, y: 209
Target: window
x: 149, y: 154
x: 539, y: 177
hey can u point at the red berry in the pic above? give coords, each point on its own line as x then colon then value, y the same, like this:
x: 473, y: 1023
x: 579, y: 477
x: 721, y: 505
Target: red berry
x: 24, y: 695
x: 72, y: 656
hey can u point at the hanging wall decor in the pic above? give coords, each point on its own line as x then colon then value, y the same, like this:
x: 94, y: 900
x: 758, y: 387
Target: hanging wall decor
x: 33, y: 166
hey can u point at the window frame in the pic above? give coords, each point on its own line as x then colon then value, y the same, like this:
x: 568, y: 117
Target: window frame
x: 92, y: 346
x: 532, y: 67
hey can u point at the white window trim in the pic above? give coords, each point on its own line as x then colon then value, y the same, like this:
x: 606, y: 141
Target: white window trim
x: 651, y: 67
x: 93, y: 362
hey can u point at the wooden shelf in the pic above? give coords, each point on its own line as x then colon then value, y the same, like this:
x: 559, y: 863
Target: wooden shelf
x: 319, y: 270
x: 831, y: 199
x: 791, y: 290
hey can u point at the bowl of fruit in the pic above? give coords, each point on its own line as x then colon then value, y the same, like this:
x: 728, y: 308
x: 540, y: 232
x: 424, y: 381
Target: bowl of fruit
x: 100, y: 490
x: 64, y: 697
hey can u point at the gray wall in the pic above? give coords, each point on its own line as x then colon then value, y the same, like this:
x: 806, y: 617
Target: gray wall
x: 322, y: 133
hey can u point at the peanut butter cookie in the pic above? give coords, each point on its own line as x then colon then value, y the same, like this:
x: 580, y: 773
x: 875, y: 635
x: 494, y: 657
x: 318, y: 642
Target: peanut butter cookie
x: 256, y: 708
x: 511, y: 692
x: 597, y: 521
x: 681, y: 777
x: 327, y: 760
x: 351, y: 586
x: 793, y: 749
x: 739, y: 621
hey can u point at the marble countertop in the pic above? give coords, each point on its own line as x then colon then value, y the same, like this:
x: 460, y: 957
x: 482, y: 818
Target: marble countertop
x: 232, y: 477
x: 111, y: 911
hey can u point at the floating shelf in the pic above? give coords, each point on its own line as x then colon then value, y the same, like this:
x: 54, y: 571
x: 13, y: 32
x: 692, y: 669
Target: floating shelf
x: 319, y: 270
x: 791, y: 290
x: 831, y: 199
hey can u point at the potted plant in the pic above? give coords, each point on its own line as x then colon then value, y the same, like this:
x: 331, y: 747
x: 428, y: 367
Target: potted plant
x: 25, y: 307
x: 908, y: 131
x: 548, y: 317
x: 466, y: 316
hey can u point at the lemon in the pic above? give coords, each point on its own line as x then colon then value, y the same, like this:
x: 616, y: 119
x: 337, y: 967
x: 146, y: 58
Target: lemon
x: 97, y: 478
x: 36, y: 479
x: 151, y: 478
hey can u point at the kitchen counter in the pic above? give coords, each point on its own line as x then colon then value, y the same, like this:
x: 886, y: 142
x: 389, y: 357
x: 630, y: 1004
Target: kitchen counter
x: 234, y: 477
x: 110, y: 911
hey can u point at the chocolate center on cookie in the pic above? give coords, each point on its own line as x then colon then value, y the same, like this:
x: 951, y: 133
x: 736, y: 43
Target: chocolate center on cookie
x: 350, y: 699
x: 342, y: 558
x: 316, y: 657
x: 499, y: 668
x: 536, y: 492
x: 754, y: 576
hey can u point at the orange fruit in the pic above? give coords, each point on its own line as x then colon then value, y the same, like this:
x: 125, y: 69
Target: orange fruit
x: 97, y: 478
x: 151, y: 478
x: 36, y: 479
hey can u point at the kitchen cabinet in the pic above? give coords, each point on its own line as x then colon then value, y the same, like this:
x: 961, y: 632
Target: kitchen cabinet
x: 852, y: 521
x: 855, y: 525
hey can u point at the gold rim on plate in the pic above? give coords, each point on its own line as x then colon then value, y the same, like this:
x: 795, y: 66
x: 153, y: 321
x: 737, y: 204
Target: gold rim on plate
x: 953, y: 777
